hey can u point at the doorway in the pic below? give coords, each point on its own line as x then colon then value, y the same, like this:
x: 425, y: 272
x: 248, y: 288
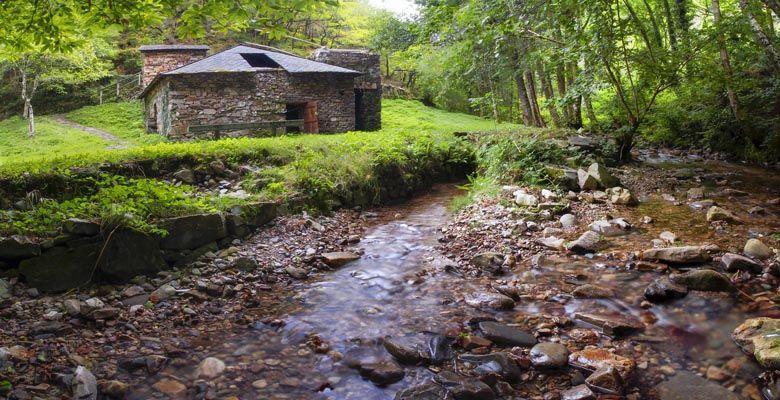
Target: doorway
x: 303, y: 111
x: 360, y: 111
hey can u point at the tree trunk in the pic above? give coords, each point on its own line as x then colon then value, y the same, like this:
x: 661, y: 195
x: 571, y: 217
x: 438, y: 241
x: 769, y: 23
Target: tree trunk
x: 594, y: 122
x: 537, y: 114
x: 761, y: 37
x: 31, y: 121
x: 552, y: 108
x: 575, y: 113
x: 525, y: 104
x: 560, y: 78
x: 774, y: 5
x: 670, y: 25
x: 724, y: 60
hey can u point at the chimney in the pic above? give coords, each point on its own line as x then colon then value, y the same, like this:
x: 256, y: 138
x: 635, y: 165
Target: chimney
x: 159, y: 58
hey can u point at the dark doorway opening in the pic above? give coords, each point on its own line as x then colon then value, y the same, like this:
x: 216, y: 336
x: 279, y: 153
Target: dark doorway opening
x: 360, y: 111
x: 303, y: 111
x: 294, y: 111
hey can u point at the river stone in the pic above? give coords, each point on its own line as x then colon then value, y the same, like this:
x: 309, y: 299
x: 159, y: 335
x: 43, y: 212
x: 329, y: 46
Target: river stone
x: 500, y: 364
x: 685, y: 385
x: 472, y: 390
x: 382, y: 373
x: 606, y: 380
x: 61, y: 268
x: 549, y: 355
x: 552, y: 242
x: 705, y: 280
x: 81, y: 227
x: 506, y: 335
x: 612, y: 324
x: 525, y: 199
x: 622, y: 196
x: 84, y: 386
x: 130, y: 253
x: 586, y: 181
x: 255, y: 214
x: 667, y: 237
x: 695, y: 193
x: 579, y: 392
x: 757, y: 249
x: 663, y: 289
x: 568, y: 221
x: 602, y: 176
x: 493, y: 301
x: 735, y: 262
x: 185, y: 175
x: 192, y: 231
x: 588, y: 242
x: 405, y: 354
x: 425, y: 391
x: 170, y: 387
x: 18, y: 248
x: 677, y: 255
x: 210, y: 368
x: 609, y: 227
x: 338, y: 259
x: 589, y: 291
x: 761, y: 338
x: 592, y: 359
x: 5, y: 289
x: 716, y: 213
x: 488, y: 261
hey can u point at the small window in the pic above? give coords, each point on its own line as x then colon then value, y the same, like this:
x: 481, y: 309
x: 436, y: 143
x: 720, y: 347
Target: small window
x: 259, y: 60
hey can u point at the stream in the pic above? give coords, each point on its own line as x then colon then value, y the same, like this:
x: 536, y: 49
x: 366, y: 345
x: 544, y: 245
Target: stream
x: 398, y: 289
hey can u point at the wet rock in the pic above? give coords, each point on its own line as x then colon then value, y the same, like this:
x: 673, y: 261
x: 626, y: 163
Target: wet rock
x: 490, y: 262
x: 716, y: 213
x: 579, y: 392
x: 84, y: 386
x: 622, y: 196
x: 493, y: 301
x: 662, y: 289
x: 760, y: 337
x: 667, y: 237
x: 128, y: 254
x: 18, y: 248
x: 593, y: 359
x: 170, y: 387
x: 472, y: 342
x: 61, y: 268
x: 405, y: 354
x: 506, y: 335
x: 606, y: 380
x: 525, y: 199
x: 589, y: 291
x: 339, y: 258
x: 193, y: 231
x: 499, y: 363
x: 677, y: 255
x: 549, y: 355
x: 717, y: 374
x: 185, y: 175
x: 296, y: 272
x: 757, y: 249
x: 612, y: 324
x: 551, y: 242
x: 82, y: 227
x: 472, y: 390
x: 162, y: 293
x: 439, y: 349
x: 586, y: 181
x: 568, y: 221
x: 688, y: 386
x: 613, y: 227
x: 425, y: 391
x: 735, y: 262
x: 705, y: 280
x: 588, y: 242
x: 114, y: 389
x: 210, y: 368
x: 382, y: 373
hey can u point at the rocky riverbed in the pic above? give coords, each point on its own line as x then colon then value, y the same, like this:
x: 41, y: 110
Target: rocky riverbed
x: 663, y: 287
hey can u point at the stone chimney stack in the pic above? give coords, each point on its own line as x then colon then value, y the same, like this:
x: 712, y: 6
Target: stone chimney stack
x: 368, y: 86
x: 159, y: 58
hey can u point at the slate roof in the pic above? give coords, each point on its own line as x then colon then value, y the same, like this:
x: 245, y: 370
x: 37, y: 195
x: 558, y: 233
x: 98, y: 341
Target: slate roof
x: 231, y: 60
x: 172, y: 47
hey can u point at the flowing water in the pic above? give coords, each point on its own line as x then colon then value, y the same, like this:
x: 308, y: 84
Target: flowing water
x: 396, y: 290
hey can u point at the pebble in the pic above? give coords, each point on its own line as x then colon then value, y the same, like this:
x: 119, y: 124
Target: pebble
x: 549, y: 355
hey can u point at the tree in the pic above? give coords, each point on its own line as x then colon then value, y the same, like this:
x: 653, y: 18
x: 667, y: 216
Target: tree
x: 391, y: 35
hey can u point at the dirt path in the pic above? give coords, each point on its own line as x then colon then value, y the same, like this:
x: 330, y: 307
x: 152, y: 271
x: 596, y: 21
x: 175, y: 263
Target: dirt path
x: 116, y: 142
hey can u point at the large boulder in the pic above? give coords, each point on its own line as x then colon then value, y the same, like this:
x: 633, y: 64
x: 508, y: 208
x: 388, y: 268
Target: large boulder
x: 602, y: 176
x: 677, y: 255
x: 622, y: 196
x: 705, y: 280
x: 761, y: 338
x: 82, y: 227
x: 255, y: 214
x: 192, y: 231
x: 757, y: 249
x: 586, y: 181
x: 588, y: 242
x: 61, y: 268
x: 18, y: 248
x: 129, y: 253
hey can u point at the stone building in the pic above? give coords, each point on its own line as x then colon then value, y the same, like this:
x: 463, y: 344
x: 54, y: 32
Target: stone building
x: 249, y: 88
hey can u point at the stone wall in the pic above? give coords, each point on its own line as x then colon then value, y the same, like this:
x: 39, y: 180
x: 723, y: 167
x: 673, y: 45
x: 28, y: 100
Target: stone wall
x: 368, y: 86
x: 159, y: 61
x: 223, y: 98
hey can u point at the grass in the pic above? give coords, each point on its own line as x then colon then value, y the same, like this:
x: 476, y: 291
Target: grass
x: 124, y: 120
x: 50, y: 141
x: 415, y: 148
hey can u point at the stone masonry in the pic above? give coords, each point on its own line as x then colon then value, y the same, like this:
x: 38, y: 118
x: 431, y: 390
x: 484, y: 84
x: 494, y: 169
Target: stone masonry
x: 164, y: 58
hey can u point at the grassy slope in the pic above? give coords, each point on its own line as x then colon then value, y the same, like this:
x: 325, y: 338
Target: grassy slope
x: 51, y: 140
x: 124, y: 120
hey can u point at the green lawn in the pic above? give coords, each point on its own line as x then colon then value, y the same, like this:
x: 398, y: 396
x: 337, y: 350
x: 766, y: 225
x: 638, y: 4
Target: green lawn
x: 124, y: 120
x: 51, y: 140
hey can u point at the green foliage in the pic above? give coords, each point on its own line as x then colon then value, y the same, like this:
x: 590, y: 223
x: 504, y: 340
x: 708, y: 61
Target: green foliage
x: 124, y: 120
x: 118, y: 201
x: 52, y: 138
x: 511, y: 158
